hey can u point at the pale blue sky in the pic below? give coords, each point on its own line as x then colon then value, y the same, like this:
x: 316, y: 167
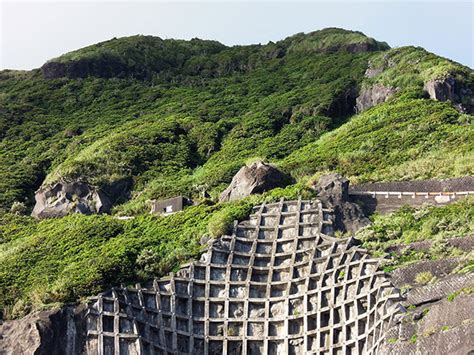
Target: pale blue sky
x: 35, y: 31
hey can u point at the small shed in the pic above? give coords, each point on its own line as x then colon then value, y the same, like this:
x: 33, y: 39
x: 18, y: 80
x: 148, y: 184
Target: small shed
x: 168, y: 206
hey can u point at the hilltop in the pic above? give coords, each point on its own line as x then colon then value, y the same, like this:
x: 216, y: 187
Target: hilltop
x: 143, y: 118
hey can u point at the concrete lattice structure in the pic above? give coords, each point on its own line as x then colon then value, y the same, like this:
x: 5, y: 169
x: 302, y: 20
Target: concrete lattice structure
x: 278, y: 284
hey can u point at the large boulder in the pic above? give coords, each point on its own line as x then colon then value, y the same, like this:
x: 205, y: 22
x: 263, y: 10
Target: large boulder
x: 333, y: 191
x: 373, y: 95
x: 254, y: 179
x: 61, y: 199
x: 450, y: 89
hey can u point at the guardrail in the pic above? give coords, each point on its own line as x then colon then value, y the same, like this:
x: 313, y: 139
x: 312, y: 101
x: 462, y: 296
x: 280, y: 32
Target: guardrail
x: 387, y: 201
x: 387, y: 194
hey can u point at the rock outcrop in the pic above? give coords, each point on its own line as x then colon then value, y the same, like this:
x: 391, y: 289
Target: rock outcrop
x: 343, y: 104
x: 61, y: 199
x: 441, y: 311
x: 373, y: 95
x: 333, y: 190
x: 254, y: 179
x: 450, y: 89
x: 45, y: 333
x: 102, y: 67
x: 372, y: 72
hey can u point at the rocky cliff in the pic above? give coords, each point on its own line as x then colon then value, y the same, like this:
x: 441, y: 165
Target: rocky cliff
x: 450, y: 89
x: 373, y: 95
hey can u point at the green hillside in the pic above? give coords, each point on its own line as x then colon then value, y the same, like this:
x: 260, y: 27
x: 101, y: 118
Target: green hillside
x: 171, y: 117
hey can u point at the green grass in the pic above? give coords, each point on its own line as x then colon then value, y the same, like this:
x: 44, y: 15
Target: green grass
x: 61, y: 260
x: 181, y: 117
x: 399, y: 140
x: 181, y: 131
x: 408, y: 225
x: 330, y: 40
x: 108, y: 129
x: 465, y: 290
x: 410, y: 67
x: 424, y: 278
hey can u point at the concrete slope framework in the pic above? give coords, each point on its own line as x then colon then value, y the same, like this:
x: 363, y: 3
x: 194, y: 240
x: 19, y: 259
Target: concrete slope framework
x: 278, y: 284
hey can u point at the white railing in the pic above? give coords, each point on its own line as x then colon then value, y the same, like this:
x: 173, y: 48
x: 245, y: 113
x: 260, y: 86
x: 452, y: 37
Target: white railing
x: 387, y: 194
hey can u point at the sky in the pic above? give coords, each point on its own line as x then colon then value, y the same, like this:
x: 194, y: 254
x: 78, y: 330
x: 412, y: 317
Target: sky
x: 31, y: 32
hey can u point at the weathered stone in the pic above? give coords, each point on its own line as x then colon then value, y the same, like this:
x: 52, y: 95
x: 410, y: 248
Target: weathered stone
x: 333, y: 190
x: 438, y: 290
x: 254, y: 179
x: 372, y: 72
x: 62, y: 199
x: 438, y: 268
x: 373, y: 95
x: 449, y: 89
x: 45, y: 333
x: 343, y: 104
x: 445, y: 327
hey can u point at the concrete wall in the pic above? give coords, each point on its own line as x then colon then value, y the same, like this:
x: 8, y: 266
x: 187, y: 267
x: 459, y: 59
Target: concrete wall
x: 168, y: 206
x: 385, y: 197
x: 279, y: 284
x: 389, y: 201
x: 449, y: 185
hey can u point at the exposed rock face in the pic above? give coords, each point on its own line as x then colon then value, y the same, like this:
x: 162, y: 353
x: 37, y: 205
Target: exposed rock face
x: 333, y: 190
x: 61, y: 199
x: 450, y: 89
x: 254, y: 179
x: 343, y: 104
x: 372, y: 96
x: 103, y: 67
x: 373, y: 72
x: 45, y: 333
x: 440, y: 316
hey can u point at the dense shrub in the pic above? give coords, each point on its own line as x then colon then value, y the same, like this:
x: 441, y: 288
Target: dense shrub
x: 60, y: 260
x: 181, y: 117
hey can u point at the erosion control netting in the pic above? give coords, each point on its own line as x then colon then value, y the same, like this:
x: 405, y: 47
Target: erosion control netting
x: 278, y: 284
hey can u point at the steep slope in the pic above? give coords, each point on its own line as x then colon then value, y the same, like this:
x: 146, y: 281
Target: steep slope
x: 167, y: 117
x: 265, y: 101
x: 252, y: 94
x: 399, y: 140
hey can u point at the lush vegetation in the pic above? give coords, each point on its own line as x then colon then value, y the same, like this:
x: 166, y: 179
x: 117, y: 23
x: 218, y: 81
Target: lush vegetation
x: 409, y: 225
x: 399, y: 140
x: 182, y: 131
x: 181, y: 117
x: 128, y: 128
x: 411, y: 67
x: 59, y: 260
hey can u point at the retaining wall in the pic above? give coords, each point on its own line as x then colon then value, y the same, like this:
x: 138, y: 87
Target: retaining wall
x: 278, y: 285
x: 387, y: 197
